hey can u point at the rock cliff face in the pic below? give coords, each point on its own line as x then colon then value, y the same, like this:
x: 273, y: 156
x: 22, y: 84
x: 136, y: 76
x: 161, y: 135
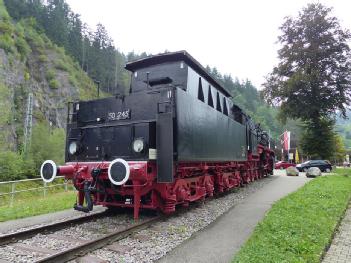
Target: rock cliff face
x: 30, y: 63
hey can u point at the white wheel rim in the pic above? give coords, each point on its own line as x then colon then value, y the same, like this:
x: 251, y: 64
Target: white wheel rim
x: 54, y: 173
x: 126, y: 165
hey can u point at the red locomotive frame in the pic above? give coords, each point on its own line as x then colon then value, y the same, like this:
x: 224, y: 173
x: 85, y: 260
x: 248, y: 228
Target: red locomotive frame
x: 192, y: 182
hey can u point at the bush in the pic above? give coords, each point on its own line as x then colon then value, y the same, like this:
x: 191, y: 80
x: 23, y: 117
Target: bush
x: 72, y: 80
x: 34, y: 39
x: 3, y: 12
x: 53, y: 84
x: 42, y: 58
x: 5, y: 27
x: 61, y: 65
x: 47, y: 143
x: 11, y: 166
x: 6, y: 43
x: 22, y: 47
x: 50, y: 75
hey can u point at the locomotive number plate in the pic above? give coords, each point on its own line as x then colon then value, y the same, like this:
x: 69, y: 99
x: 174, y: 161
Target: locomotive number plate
x: 119, y: 115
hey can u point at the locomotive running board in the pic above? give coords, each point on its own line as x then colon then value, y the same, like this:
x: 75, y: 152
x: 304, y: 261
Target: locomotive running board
x: 164, y: 144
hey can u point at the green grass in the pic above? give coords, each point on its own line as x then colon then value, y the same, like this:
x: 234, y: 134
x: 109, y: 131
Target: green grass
x: 299, y: 227
x: 32, y: 203
x: 38, y: 205
x: 6, y: 188
x: 342, y: 171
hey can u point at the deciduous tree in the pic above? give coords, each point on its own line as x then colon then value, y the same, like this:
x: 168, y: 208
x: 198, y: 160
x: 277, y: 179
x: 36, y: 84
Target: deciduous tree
x: 312, y: 80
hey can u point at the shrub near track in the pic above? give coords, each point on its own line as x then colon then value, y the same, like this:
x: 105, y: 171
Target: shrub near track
x: 299, y: 227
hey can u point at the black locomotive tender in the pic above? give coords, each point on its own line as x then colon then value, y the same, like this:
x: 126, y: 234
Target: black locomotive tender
x: 175, y: 138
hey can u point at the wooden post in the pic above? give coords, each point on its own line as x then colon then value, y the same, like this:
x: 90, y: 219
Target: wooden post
x: 45, y: 185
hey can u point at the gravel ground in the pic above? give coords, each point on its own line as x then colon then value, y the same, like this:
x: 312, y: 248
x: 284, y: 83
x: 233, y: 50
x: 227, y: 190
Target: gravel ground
x: 151, y: 244
x: 66, y: 238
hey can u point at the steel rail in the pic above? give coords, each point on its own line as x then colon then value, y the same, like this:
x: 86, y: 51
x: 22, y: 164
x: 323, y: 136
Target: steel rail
x: 89, y: 246
x: 13, y: 237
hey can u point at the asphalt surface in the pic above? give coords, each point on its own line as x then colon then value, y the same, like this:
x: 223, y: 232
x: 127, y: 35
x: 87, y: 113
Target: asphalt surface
x: 223, y: 238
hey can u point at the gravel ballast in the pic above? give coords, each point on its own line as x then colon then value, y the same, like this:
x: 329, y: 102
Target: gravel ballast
x: 66, y: 238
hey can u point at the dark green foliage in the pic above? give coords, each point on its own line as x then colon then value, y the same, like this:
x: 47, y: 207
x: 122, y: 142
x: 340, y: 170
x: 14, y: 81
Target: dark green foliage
x: 47, y: 143
x: 10, y: 166
x: 312, y: 79
x: 299, y: 227
x: 318, y: 139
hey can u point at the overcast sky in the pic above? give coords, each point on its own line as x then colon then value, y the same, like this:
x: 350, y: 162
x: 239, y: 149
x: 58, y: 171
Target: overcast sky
x: 237, y: 37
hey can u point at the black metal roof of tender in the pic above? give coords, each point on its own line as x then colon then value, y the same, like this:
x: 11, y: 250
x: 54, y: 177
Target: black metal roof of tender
x: 176, y: 56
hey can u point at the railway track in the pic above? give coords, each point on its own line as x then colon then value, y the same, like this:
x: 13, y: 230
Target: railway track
x: 87, y: 247
x: 16, y: 236
x: 66, y: 238
x: 117, y: 237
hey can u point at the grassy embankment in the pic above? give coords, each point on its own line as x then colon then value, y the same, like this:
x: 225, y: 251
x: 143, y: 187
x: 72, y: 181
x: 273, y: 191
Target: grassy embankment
x: 32, y: 203
x: 299, y: 227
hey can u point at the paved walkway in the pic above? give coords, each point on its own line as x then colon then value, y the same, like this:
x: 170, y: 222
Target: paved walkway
x: 340, y: 249
x: 223, y: 238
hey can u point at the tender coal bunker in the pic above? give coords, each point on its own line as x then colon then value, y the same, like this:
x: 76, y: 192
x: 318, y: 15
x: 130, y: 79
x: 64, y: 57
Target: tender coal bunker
x: 118, y: 172
x: 48, y: 171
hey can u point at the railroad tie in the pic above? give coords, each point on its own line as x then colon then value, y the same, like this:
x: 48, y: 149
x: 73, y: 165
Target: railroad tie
x: 37, y: 249
x: 119, y: 248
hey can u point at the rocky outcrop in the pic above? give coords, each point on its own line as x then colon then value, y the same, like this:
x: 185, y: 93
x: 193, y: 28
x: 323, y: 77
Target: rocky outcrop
x: 44, y: 70
x: 292, y: 171
x: 313, y: 172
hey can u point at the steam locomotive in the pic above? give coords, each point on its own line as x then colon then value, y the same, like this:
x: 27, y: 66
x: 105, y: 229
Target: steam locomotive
x: 175, y: 138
